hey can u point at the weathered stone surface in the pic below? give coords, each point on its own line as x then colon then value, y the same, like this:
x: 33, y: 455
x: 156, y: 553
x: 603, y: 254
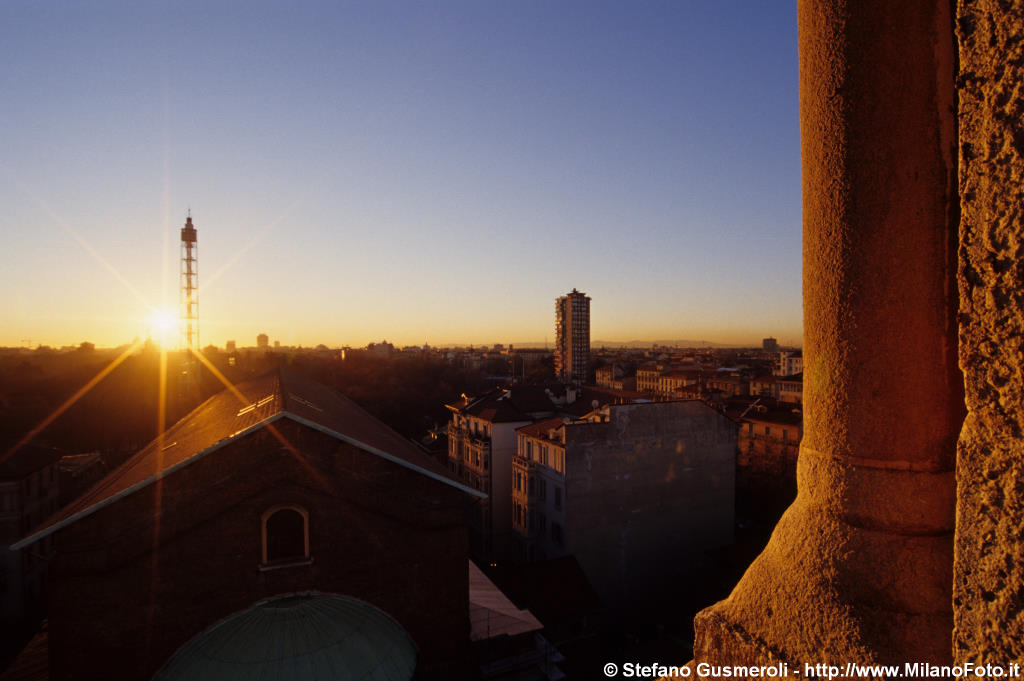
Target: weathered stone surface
x: 859, y: 569
x: 988, y: 588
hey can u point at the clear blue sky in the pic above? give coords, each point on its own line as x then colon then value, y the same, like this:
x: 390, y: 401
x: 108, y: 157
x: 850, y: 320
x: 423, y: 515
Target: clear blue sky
x: 416, y: 171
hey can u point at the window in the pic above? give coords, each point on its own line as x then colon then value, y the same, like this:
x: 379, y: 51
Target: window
x: 285, y: 536
x: 556, y: 533
x: 558, y: 498
x: 542, y: 491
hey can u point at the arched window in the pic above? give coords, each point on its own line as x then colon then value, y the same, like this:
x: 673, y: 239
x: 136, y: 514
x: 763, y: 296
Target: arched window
x: 285, y: 535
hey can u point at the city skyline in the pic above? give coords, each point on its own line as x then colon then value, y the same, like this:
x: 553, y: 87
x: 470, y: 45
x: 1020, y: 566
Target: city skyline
x: 420, y: 172
x: 399, y: 172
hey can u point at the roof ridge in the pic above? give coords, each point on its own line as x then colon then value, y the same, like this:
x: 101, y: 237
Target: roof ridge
x: 218, y: 421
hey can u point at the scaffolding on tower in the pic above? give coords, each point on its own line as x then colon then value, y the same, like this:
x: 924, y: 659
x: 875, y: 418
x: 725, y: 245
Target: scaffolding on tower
x: 189, y: 300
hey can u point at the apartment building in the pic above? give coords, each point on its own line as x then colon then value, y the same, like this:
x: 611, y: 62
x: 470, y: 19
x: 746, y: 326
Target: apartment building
x: 669, y: 381
x: 629, y: 490
x: 481, y: 445
x: 647, y: 377
x: 790, y: 363
x: 791, y: 389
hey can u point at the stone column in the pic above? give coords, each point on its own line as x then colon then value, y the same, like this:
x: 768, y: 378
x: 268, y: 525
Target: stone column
x: 988, y: 591
x: 860, y: 567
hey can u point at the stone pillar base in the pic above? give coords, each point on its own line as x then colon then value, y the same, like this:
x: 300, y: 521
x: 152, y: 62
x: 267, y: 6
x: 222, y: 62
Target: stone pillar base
x: 854, y: 572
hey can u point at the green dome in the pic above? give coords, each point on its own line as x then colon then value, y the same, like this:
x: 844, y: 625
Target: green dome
x: 313, y: 638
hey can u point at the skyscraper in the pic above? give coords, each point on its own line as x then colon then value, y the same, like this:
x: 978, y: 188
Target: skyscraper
x: 572, y: 337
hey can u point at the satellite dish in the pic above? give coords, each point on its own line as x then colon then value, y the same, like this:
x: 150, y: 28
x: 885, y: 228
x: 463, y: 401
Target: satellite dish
x: 594, y: 404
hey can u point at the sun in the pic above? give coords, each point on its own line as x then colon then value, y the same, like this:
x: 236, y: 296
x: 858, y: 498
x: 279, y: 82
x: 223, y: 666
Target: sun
x: 163, y: 326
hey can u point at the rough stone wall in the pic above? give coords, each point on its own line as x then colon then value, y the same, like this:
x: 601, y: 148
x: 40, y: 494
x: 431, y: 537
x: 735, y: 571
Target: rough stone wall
x: 988, y: 591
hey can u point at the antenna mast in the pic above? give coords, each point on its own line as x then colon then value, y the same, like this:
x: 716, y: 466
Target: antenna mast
x: 189, y: 301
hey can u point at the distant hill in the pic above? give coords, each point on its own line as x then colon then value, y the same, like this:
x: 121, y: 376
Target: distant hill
x: 644, y: 344
x: 669, y: 343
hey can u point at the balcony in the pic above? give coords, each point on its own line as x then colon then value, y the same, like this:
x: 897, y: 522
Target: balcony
x: 467, y: 436
x: 523, y: 462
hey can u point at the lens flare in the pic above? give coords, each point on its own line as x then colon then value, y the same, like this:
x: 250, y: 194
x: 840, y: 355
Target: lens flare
x: 163, y: 326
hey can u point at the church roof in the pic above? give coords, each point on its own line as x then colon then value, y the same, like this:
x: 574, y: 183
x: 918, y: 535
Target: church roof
x: 236, y: 412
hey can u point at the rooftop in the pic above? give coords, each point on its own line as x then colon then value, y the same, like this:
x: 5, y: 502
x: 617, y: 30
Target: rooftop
x: 541, y: 429
x: 236, y: 412
x: 27, y: 460
x: 506, y: 405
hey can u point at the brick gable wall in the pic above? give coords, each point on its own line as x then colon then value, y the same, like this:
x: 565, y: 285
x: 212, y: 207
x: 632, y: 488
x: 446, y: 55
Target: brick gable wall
x: 378, y: 532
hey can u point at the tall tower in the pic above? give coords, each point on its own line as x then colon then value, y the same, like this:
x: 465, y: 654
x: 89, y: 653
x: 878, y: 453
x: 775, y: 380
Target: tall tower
x: 189, y: 300
x: 572, y: 337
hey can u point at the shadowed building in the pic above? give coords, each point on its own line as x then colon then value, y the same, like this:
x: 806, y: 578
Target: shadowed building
x: 79, y: 472
x: 28, y: 495
x: 631, y: 490
x: 275, y: 509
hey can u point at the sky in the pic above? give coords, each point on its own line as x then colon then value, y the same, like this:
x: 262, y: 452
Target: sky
x: 413, y: 171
